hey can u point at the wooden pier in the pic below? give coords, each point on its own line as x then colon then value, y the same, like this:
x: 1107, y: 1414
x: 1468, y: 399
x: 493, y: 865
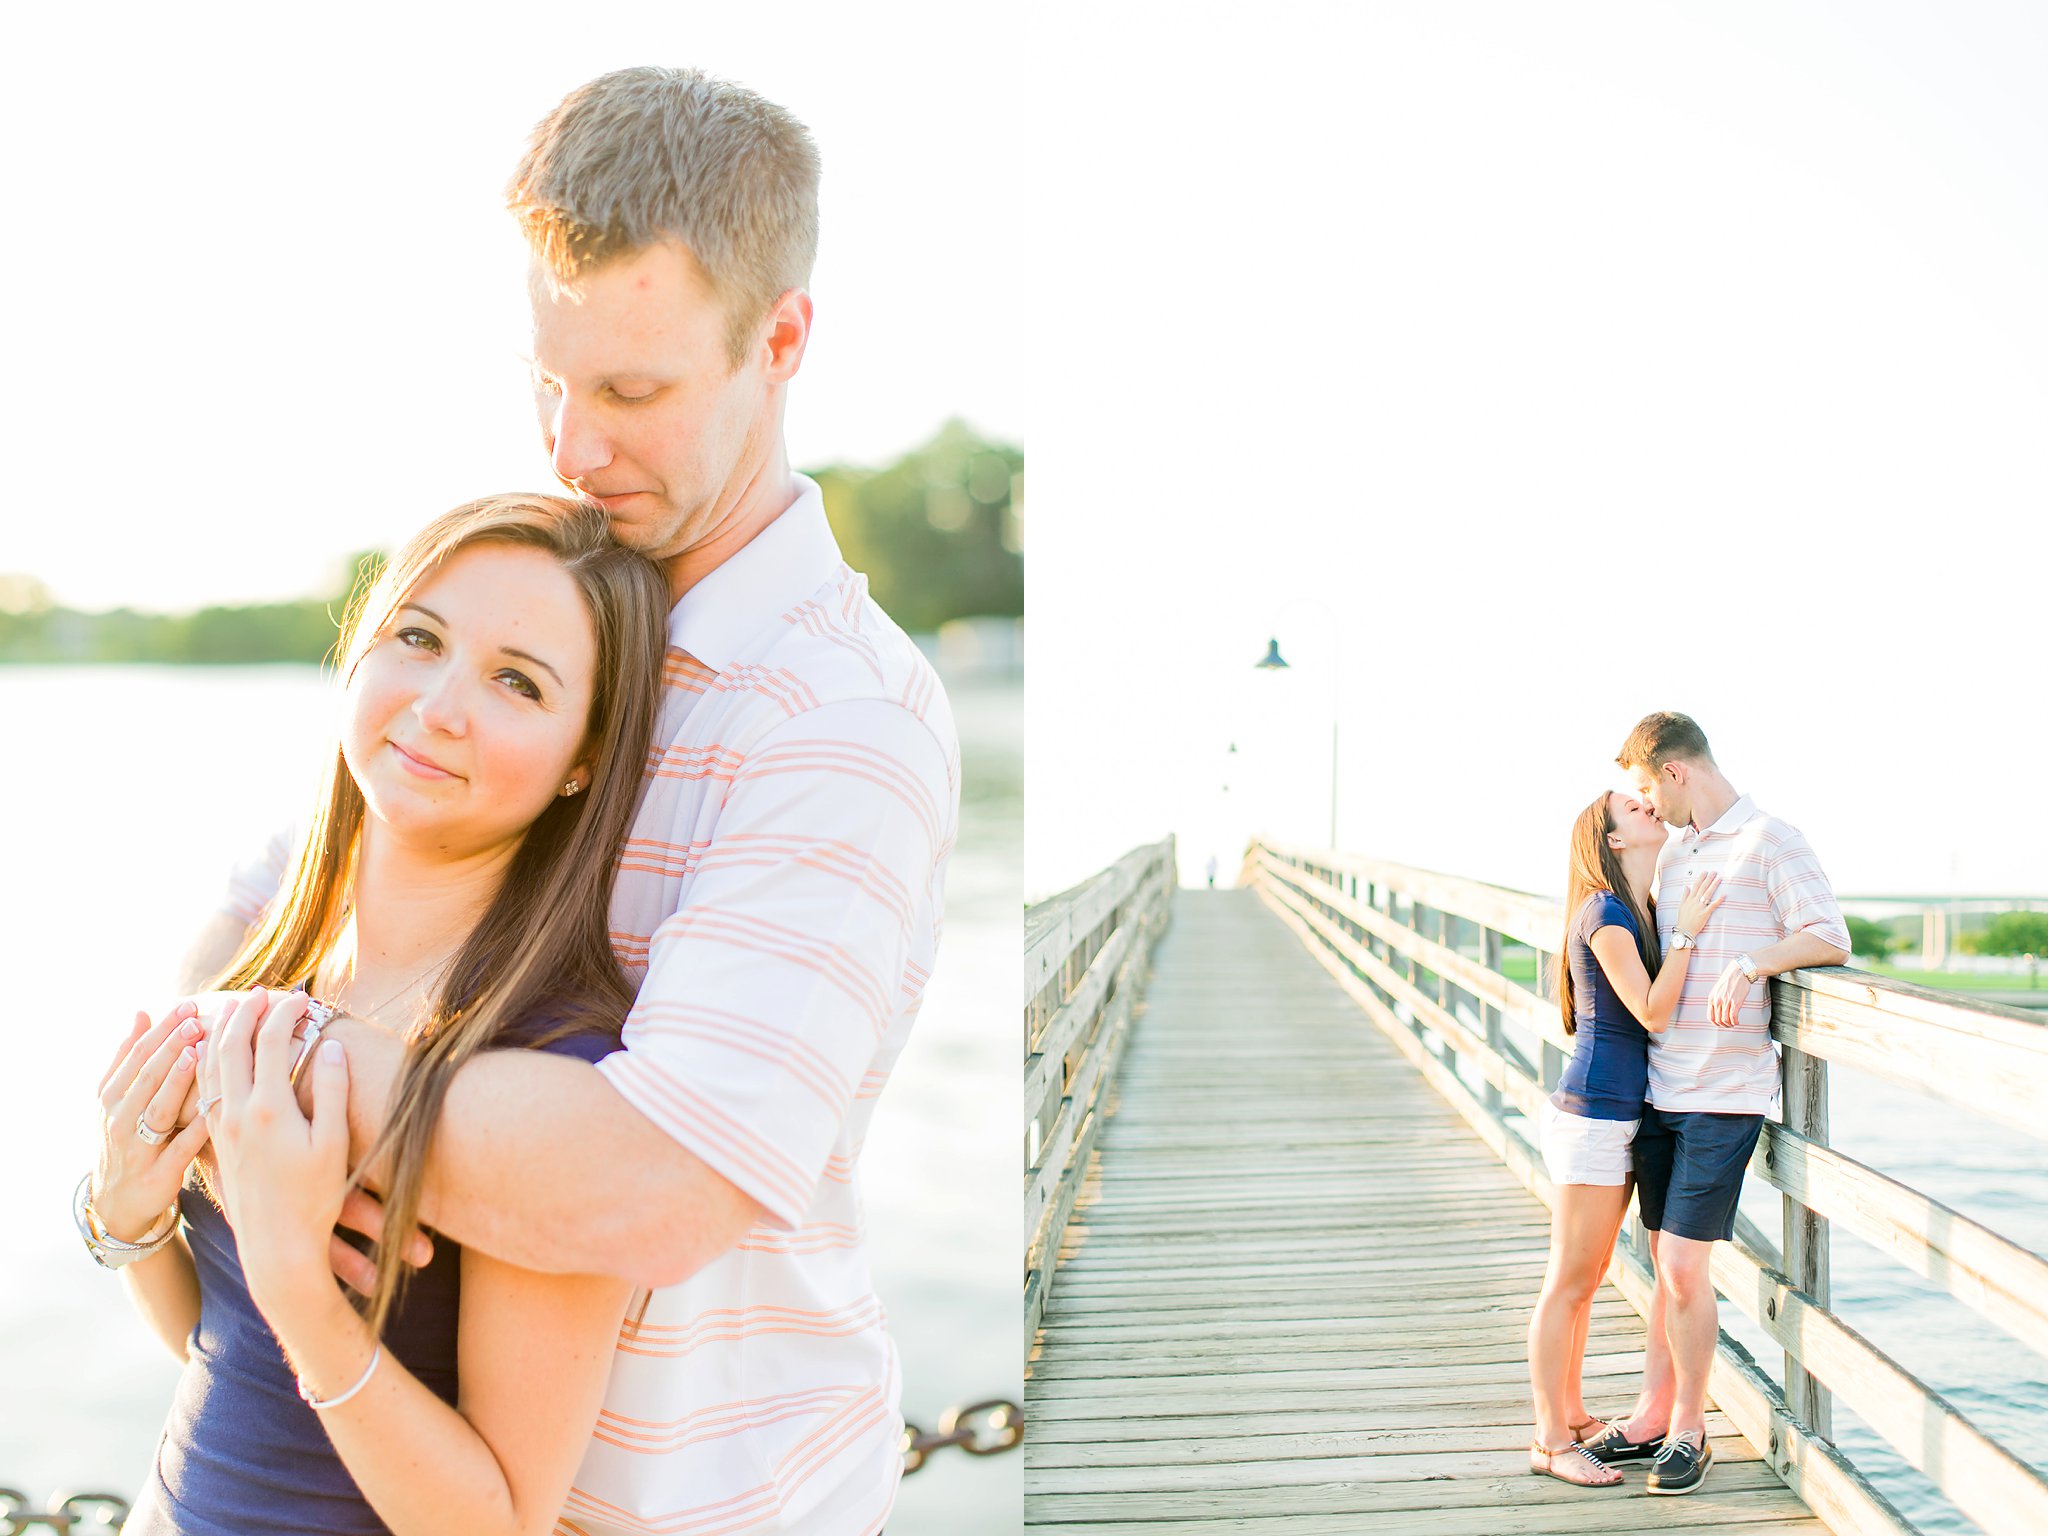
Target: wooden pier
x: 1256, y: 1327
x: 1284, y: 1225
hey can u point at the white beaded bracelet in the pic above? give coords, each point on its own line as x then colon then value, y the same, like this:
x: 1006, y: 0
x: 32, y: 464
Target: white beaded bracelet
x: 318, y: 1403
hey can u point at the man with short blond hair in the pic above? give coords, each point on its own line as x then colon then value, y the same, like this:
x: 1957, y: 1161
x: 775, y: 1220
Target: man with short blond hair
x: 779, y: 896
x: 1713, y: 1071
x: 644, y: 157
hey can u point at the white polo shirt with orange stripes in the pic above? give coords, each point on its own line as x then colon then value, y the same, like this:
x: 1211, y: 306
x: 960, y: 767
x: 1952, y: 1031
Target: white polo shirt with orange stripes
x: 1772, y: 886
x: 779, y: 900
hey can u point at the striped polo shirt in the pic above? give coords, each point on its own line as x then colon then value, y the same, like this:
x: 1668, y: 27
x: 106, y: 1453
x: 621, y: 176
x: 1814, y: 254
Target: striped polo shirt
x: 778, y: 901
x: 1772, y: 886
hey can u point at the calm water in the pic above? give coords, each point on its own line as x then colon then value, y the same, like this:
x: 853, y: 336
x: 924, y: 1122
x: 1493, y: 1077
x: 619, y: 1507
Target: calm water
x: 125, y: 793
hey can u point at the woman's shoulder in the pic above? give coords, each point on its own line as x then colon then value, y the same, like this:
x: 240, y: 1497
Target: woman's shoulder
x: 1602, y: 909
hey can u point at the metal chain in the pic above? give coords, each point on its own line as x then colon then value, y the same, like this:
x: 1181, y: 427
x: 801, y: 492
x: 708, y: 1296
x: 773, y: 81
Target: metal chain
x: 979, y: 1429
x: 66, y: 1515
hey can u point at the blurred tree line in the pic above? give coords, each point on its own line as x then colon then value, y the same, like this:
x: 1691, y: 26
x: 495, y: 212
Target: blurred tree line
x: 938, y: 533
x: 2003, y: 933
x: 34, y: 629
x: 2010, y: 933
x: 1871, y: 940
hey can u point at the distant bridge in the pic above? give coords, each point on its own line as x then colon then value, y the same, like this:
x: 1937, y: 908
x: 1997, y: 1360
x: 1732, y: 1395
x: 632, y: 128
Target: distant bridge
x: 1281, y: 1246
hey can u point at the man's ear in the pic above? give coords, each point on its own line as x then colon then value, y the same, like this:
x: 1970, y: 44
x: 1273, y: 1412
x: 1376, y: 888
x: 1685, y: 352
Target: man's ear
x: 1677, y: 771
x: 788, y: 333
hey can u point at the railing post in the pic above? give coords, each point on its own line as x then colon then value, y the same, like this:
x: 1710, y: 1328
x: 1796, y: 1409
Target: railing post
x: 1416, y: 913
x: 1549, y: 1059
x: 1806, y: 1235
x: 1443, y: 982
x: 1489, y: 956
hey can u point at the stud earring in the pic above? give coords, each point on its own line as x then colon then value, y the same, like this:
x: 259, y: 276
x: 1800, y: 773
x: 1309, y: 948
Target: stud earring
x: 571, y: 787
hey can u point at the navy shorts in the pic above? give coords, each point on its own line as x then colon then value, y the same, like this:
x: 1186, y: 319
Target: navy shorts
x: 1689, y: 1167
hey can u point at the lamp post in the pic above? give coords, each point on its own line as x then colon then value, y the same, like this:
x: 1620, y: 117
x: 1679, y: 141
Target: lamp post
x: 1273, y: 661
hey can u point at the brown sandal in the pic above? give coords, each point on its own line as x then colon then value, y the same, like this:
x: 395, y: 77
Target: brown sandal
x: 1608, y: 1477
x: 1579, y: 1430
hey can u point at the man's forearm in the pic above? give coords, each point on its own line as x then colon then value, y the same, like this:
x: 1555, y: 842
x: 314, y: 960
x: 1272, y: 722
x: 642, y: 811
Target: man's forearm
x: 1804, y: 948
x: 539, y: 1161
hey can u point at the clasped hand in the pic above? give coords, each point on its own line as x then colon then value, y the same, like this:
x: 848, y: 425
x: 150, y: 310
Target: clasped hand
x: 282, y: 1174
x: 148, y: 1086
x: 160, y: 1074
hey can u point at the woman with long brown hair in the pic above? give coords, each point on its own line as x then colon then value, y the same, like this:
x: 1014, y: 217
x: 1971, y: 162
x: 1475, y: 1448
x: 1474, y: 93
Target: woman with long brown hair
x: 1611, y: 1006
x: 501, y: 684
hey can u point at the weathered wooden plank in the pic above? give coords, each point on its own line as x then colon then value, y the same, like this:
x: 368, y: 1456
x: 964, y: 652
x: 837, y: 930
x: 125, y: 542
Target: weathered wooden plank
x: 1482, y: 1497
x: 1529, y: 1009
x: 1983, y: 1479
x: 1532, y: 920
x: 1054, y: 926
x: 1045, y: 1065
x: 1248, y: 1319
x: 1996, y: 1277
x: 1992, y: 1061
x: 1064, y: 1137
x: 1337, y: 1393
x: 1375, y: 1467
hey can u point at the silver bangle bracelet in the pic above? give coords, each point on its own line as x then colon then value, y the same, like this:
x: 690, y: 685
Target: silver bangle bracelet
x: 318, y: 1403
x: 108, y: 1251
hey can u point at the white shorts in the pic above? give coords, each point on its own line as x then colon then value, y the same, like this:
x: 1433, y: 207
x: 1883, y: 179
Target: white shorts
x: 1581, y: 1150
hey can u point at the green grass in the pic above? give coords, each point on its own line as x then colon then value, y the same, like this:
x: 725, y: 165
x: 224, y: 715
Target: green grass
x: 1519, y: 966
x: 1954, y: 981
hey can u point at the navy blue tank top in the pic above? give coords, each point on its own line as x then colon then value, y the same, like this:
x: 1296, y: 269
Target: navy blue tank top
x: 241, y: 1452
x: 1608, y: 1076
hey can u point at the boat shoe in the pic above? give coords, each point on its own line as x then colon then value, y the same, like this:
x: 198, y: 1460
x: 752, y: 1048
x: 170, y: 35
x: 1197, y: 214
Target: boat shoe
x: 1679, y: 1468
x: 1615, y: 1445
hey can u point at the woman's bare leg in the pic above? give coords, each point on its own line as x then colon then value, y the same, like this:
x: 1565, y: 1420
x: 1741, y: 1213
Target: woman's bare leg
x: 1574, y: 1396
x: 1582, y: 1230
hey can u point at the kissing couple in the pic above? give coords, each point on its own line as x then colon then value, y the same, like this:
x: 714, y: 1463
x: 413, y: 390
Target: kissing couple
x: 1682, y: 898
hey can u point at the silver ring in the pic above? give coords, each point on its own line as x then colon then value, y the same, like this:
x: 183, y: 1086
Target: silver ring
x: 151, y: 1135
x: 205, y: 1106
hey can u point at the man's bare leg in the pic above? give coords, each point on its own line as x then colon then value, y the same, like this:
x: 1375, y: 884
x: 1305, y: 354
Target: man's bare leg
x: 1651, y: 1415
x: 1691, y: 1325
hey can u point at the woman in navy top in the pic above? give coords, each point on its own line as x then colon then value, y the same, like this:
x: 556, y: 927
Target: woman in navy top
x: 1610, y: 1008
x: 502, y: 679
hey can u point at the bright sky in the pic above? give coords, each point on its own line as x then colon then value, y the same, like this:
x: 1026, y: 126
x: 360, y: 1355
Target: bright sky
x: 1524, y: 369
x: 264, y: 308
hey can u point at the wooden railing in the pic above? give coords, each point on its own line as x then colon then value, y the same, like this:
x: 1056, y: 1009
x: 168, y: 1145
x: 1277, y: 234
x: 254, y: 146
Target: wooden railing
x: 1429, y: 957
x: 1085, y: 953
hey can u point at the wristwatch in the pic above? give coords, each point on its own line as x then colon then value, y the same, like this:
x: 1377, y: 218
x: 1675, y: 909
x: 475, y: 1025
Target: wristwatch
x: 1748, y: 966
x: 1682, y: 940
